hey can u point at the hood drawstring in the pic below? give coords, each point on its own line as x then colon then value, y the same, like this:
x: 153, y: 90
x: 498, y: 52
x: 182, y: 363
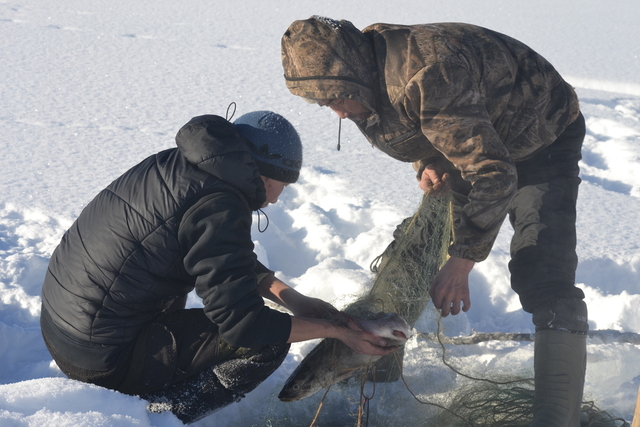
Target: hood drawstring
x: 260, y: 211
x: 231, y: 111
x: 233, y: 104
x: 339, y: 131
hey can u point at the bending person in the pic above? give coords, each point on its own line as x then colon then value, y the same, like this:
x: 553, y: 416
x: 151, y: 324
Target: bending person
x: 484, y: 116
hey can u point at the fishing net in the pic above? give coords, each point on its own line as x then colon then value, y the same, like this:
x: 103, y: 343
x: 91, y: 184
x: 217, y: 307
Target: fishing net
x: 415, y: 256
x: 403, y: 273
x: 431, y: 389
x: 497, y: 406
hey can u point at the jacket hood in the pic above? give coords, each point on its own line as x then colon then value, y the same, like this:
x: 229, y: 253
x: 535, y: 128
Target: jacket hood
x: 327, y: 59
x: 213, y: 145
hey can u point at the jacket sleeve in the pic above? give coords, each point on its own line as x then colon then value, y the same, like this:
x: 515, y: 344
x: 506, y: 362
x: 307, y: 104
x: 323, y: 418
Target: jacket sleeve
x: 449, y: 107
x: 215, y: 235
x: 261, y: 271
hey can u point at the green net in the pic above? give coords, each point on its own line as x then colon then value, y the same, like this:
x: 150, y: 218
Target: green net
x: 494, y: 405
x: 405, y: 270
x: 432, y: 390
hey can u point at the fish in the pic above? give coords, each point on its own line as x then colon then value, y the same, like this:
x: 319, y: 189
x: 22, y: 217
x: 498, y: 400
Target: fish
x: 399, y: 295
x: 389, y: 326
x: 319, y: 368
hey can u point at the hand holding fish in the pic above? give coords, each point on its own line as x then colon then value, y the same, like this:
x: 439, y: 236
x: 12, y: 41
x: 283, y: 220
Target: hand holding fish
x: 359, y: 340
x: 364, y: 342
x: 314, y: 318
x: 336, y: 359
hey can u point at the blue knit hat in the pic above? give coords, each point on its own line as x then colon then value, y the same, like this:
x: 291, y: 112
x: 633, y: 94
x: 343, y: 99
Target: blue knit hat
x: 274, y: 143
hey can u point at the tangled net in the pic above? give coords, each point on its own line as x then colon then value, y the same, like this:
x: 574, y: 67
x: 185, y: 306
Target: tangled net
x: 403, y: 274
x: 478, y: 405
x: 405, y: 270
x: 415, y: 256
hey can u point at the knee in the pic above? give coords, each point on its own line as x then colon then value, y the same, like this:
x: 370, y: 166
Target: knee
x: 243, y: 374
x: 274, y: 353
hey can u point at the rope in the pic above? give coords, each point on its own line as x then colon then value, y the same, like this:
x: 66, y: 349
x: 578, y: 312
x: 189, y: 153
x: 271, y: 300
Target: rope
x: 339, y: 131
x: 364, y: 399
x: 439, y: 336
x: 424, y: 402
x: 315, y: 418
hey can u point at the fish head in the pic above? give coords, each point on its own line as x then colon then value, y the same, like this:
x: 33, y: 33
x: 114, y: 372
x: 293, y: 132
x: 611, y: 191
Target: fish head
x: 328, y: 362
x: 302, y: 383
x: 397, y: 338
x: 400, y: 330
x: 388, y: 326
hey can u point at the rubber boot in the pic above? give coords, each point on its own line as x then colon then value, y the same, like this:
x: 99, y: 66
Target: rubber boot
x: 559, y: 364
x: 560, y: 358
x: 388, y: 368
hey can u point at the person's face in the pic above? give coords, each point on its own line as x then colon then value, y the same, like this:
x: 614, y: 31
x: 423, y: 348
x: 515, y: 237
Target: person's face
x: 273, y: 188
x: 347, y: 109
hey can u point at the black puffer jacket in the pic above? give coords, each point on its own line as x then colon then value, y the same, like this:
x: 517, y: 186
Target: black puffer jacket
x: 179, y: 219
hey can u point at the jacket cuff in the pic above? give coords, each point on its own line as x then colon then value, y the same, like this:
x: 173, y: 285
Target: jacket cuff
x: 281, y: 326
x: 262, y: 272
x: 421, y: 164
x: 465, y: 252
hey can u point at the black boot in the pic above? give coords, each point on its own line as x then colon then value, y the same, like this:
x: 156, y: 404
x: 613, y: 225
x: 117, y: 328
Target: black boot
x: 560, y: 357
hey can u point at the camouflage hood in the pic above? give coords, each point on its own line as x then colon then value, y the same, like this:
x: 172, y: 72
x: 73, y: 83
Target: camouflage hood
x: 326, y: 59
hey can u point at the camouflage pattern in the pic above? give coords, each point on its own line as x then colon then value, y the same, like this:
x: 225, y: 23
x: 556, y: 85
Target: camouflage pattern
x: 478, y: 100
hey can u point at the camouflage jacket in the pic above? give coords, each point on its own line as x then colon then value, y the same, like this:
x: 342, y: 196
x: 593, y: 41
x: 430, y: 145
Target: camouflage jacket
x: 477, y: 100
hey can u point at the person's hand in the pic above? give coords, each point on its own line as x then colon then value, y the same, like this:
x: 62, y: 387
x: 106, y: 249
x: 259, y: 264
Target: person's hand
x: 434, y: 180
x: 450, y: 288
x: 363, y: 342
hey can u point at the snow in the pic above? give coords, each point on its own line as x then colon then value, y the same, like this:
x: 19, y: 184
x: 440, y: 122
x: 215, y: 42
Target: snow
x: 89, y: 89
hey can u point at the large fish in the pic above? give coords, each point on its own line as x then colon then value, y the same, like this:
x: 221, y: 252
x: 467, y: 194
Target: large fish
x: 332, y: 360
x: 401, y: 286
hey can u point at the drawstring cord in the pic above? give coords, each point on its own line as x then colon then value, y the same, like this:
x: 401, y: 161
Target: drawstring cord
x: 228, y: 117
x: 339, y: 130
x: 233, y: 104
x: 260, y: 211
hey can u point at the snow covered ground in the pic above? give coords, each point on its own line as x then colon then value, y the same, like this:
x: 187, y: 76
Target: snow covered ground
x: 88, y: 89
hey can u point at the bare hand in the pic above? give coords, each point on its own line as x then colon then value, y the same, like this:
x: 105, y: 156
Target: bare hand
x: 364, y: 342
x: 450, y: 288
x: 434, y: 180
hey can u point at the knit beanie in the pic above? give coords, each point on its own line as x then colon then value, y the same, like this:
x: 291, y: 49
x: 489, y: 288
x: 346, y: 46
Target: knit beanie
x: 274, y: 143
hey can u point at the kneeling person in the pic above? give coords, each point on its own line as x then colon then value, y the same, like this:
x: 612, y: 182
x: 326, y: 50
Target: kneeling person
x: 114, y: 295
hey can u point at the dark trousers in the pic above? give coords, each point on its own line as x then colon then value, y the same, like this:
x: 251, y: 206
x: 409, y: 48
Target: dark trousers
x: 174, y: 348
x: 543, y: 216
